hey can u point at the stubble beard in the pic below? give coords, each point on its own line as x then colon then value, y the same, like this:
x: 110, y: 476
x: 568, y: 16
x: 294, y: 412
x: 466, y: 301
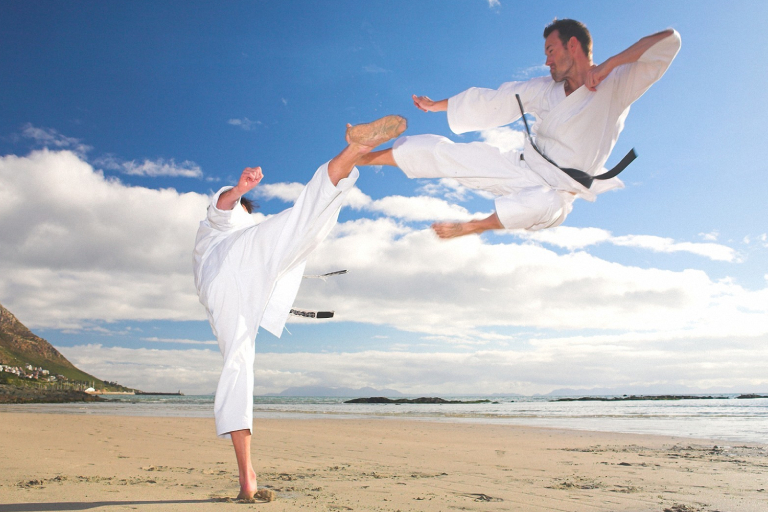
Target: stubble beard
x: 560, y: 70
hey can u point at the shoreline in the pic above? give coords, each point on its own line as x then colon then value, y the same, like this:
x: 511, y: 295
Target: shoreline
x: 726, y: 421
x: 76, y: 463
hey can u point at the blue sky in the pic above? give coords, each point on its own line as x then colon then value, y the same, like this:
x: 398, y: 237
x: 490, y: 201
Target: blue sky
x: 117, y: 119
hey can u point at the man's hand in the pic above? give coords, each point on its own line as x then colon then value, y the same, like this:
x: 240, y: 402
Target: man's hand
x: 596, y: 75
x: 425, y: 104
x: 250, y: 177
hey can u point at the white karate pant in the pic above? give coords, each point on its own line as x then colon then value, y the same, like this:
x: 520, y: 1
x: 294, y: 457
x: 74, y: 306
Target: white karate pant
x: 524, y: 200
x: 239, y: 294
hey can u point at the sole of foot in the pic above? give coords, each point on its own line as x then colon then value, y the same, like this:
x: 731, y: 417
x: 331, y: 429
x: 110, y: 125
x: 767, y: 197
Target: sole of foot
x: 377, y: 132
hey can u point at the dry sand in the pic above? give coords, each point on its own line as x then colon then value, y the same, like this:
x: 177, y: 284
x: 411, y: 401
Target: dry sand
x: 83, y: 462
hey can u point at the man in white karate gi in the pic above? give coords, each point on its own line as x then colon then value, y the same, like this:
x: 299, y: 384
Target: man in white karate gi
x: 579, y: 113
x: 247, y: 275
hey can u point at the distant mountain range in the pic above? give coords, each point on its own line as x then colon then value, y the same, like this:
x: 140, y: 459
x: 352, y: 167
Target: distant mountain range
x: 659, y: 389
x: 364, y: 392
x: 20, y: 347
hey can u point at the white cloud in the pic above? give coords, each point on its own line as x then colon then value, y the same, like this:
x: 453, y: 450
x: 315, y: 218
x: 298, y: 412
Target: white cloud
x: 531, y: 71
x: 451, y: 190
x: 78, y: 246
x: 161, y: 167
x: 494, y: 3
x: 287, y: 192
x: 414, y: 209
x: 180, y: 341
x: 526, y: 370
x: 244, y: 123
x: 193, y: 371
x: 151, y: 168
x: 85, y: 248
x: 357, y: 199
x: 568, y: 237
x: 504, y: 138
x: 409, y: 279
x: 420, y: 208
x: 761, y: 239
x: 578, y: 238
x: 50, y: 138
x: 712, y: 251
x: 532, y: 366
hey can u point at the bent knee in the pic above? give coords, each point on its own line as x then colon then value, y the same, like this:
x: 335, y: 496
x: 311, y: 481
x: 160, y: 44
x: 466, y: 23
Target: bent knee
x: 533, y: 209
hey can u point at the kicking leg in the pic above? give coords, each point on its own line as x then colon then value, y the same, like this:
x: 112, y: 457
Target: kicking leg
x: 383, y: 157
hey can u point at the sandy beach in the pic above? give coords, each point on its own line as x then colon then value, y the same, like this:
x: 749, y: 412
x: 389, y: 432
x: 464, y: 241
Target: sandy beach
x: 85, y: 462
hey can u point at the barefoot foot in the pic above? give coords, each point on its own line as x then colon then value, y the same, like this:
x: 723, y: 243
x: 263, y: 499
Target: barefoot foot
x: 377, y: 132
x: 244, y: 495
x: 248, y: 486
x: 448, y: 229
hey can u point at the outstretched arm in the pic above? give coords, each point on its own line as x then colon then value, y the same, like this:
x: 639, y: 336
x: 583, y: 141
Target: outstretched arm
x: 598, y: 73
x: 454, y: 229
x: 250, y: 177
x: 427, y: 105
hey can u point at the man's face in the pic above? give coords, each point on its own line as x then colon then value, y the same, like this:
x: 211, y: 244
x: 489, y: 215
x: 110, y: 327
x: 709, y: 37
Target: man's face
x: 559, y: 58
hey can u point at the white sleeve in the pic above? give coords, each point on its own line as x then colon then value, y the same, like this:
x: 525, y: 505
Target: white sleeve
x: 632, y: 80
x: 227, y: 220
x: 482, y: 109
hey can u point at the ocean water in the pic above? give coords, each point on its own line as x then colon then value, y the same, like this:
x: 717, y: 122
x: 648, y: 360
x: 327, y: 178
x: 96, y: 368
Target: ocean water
x: 726, y: 419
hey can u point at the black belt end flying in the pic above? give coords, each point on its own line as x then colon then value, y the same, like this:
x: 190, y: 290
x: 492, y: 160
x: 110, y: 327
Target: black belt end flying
x: 586, y: 180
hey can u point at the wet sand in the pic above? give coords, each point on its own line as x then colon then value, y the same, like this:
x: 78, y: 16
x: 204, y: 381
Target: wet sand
x: 84, y: 462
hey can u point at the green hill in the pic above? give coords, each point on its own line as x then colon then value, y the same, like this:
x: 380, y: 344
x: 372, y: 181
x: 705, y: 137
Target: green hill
x: 20, y: 347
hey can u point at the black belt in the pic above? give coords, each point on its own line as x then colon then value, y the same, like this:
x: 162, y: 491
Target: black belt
x: 580, y: 176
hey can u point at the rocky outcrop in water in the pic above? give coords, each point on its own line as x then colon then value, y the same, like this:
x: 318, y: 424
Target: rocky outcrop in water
x: 635, y: 397
x: 422, y: 400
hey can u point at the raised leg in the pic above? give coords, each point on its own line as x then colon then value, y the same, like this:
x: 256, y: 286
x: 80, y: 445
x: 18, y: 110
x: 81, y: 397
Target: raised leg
x: 383, y: 157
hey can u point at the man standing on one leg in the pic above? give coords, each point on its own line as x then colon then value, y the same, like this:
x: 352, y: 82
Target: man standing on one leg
x: 248, y: 275
x: 579, y: 110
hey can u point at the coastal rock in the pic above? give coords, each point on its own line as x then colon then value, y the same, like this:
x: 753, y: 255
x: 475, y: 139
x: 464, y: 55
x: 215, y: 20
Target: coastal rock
x: 422, y: 400
x: 157, y: 393
x: 30, y: 395
x: 635, y: 397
